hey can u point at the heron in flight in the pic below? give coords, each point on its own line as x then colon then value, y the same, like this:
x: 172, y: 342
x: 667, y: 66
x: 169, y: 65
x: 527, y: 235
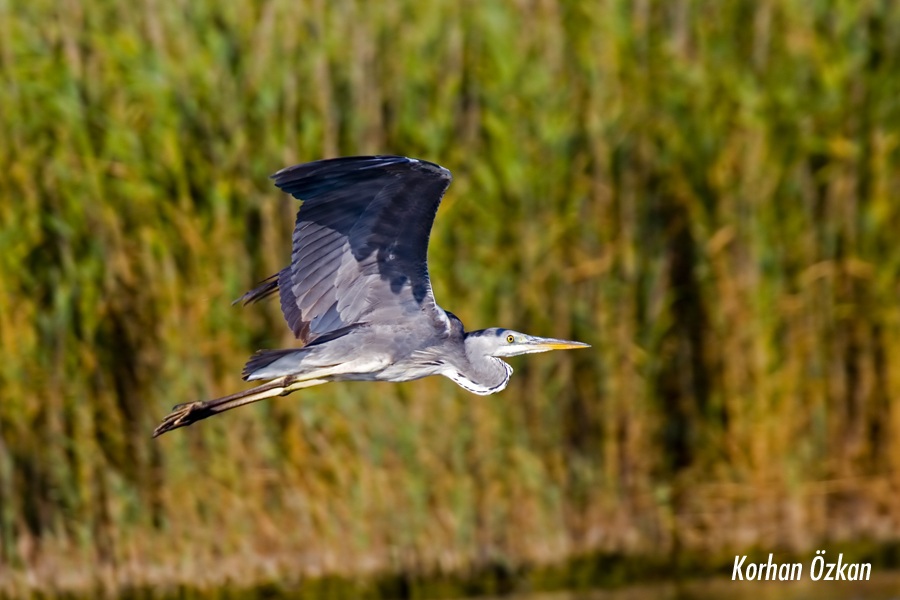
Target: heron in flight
x: 357, y: 294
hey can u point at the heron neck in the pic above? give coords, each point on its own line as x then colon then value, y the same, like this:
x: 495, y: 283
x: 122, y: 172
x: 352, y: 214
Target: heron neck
x: 483, y: 374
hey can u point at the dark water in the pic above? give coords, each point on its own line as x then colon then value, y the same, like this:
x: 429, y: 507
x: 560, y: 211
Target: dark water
x: 880, y: 587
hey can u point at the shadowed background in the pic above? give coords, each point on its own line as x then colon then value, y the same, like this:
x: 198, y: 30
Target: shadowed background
x: 703, y: 191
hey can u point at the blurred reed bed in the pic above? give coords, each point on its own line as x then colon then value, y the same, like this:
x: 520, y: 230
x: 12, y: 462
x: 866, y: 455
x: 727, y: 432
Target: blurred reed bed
x: 704, y: 191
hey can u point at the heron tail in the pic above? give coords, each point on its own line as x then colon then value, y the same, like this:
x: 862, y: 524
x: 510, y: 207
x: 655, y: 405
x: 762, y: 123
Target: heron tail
x: 257, y: 366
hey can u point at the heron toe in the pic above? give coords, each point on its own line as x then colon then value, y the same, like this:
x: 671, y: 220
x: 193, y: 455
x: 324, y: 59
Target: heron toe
x: 181, y: 416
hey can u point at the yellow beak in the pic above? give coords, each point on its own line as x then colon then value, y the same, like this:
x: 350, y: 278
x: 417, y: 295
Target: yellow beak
x: 545, y: 344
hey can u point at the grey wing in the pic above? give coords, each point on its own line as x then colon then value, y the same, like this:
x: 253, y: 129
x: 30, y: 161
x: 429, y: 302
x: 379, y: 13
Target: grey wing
x: 360, y: 244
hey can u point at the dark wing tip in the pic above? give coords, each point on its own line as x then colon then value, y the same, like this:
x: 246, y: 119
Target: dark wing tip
x: 435, y: 168
x: 336, y: 167
x: 263, y: 289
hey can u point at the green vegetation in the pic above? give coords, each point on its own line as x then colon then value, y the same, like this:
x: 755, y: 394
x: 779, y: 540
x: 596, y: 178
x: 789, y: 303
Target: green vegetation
x: 704, y: 191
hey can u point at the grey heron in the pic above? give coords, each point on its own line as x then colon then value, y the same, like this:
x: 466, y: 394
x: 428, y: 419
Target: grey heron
x: 357, y: 293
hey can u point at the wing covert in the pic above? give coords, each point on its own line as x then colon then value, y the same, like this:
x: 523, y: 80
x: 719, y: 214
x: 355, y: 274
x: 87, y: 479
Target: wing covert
x: 360, y: 242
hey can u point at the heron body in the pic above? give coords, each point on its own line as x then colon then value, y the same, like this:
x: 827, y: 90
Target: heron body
x: 357, y: 293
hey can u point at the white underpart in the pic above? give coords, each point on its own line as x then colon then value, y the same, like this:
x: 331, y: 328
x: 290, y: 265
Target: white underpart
x: 290, y: 365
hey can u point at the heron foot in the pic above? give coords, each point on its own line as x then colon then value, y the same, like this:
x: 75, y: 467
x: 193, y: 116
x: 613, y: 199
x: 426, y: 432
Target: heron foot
x: 182, y: 415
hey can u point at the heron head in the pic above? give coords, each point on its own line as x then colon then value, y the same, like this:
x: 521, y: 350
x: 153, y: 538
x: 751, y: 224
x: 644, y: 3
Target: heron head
x: 500, y: 343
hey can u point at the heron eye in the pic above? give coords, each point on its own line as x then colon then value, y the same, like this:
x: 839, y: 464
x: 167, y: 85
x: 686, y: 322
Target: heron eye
x: 510, y: 339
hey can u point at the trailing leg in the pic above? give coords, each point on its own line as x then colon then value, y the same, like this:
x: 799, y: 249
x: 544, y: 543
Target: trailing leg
x: 188, y: 413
